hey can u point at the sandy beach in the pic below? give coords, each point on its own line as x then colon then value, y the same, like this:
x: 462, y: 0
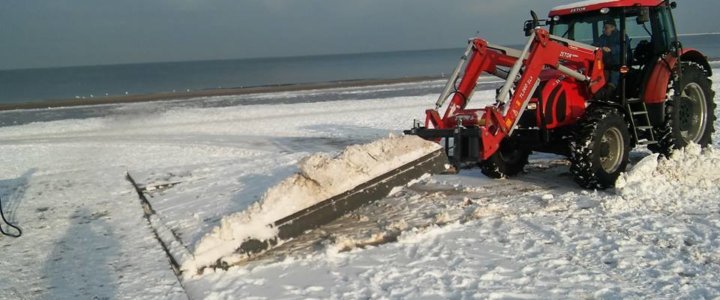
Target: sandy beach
x: 54, y: 103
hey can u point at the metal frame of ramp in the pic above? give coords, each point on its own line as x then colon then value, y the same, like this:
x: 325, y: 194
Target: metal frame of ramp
x: 335, y: 207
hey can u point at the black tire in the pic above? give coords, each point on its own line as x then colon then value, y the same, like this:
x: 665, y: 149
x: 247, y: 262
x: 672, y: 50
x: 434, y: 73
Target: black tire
x: 600, y: 149
x: 508, y: 161
x: 693, y: 103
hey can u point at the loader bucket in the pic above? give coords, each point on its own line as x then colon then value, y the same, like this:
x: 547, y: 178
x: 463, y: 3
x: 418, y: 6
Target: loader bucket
x: 335, y: 207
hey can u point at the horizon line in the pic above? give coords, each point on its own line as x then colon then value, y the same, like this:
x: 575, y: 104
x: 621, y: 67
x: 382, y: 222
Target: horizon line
x: 267, y: 57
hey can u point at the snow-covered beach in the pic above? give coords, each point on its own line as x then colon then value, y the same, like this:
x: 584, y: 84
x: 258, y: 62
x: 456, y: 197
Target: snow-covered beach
x: 457, y: 236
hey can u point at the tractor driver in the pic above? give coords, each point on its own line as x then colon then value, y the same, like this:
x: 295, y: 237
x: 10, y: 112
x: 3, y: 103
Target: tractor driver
x: 610, y: 42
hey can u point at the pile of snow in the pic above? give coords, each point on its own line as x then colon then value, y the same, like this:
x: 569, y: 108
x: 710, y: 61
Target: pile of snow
x: 321, y: 176
x: 658, y: 182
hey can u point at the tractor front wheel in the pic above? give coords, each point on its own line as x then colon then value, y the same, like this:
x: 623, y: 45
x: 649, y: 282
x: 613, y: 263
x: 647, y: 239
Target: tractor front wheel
x: 600, y: 149
x: 507, y: 161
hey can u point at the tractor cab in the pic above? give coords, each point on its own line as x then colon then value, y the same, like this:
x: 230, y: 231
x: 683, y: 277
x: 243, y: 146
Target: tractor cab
x: 644, y: 32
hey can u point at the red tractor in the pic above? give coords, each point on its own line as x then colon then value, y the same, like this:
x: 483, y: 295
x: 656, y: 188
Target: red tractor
x: 563, y: 95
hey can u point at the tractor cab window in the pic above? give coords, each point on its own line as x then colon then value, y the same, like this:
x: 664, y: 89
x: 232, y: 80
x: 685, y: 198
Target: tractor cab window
x: 637, y: 31
x: 583, y: 28
x: 599, y: 30
x: 586, y: 32
x: 663, y: 26
x: 641, y: 39
x: 649, y: 38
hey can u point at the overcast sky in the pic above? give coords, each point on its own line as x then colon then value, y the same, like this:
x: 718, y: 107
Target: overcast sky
x: 48, y: 33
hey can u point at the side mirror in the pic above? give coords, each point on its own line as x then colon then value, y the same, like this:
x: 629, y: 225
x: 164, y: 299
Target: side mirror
x: 528, y: 27
x: 673, y: 5
x: 644, y: 16
x: 531, y: 24
x: 535, y: 19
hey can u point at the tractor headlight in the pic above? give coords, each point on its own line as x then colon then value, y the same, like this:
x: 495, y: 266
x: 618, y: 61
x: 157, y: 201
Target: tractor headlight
x: 532, y: 105
x: 604, y: 10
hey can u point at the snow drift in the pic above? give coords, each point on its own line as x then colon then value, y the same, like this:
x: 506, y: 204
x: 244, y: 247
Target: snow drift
x: 321, y: 176
x: 684, y: 179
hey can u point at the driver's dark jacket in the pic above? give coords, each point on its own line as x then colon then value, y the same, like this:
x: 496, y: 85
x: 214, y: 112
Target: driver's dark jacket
x: 613, y: 42
x: 612, y: 59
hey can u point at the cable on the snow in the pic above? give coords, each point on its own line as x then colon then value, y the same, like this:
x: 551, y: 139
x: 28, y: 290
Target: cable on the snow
x: 15, y: 235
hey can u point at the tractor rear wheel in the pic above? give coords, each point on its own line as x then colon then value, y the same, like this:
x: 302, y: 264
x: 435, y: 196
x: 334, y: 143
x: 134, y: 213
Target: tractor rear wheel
x: 507, y: 161
x: 689, y: 114
x: 600, y: 149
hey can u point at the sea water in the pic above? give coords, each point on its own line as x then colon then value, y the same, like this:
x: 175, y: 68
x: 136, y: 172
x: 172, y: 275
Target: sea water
x: 86, y: 82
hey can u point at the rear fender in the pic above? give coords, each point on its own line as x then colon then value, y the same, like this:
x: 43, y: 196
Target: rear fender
x: 656, y: 87
x: 695, y: 56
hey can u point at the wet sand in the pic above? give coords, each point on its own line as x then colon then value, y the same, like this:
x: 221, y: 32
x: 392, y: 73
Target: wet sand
x: 208, y: 93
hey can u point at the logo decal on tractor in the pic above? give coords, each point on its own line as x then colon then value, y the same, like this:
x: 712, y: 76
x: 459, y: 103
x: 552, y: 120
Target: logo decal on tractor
x: 526, y: 85
x: 567, y: 55
x: 578, y: 9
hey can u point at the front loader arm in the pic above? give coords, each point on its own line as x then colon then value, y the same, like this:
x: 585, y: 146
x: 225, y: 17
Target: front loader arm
x: 581, y: 62
x: 483, y: 59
